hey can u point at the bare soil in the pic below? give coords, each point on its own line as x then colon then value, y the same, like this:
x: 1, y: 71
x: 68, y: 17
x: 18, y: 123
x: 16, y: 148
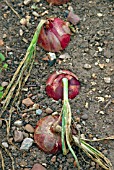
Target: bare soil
x: 92, y: 44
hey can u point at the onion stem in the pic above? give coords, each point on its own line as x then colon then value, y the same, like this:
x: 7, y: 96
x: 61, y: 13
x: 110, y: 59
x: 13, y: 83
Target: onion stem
x: 66, y: 122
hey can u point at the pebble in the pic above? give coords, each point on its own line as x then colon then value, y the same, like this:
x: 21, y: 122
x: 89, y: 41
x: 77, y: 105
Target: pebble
x: 99, y: 14
x: 35, y: 14
x: 102, y: 112
x: 20, y: 32
x: 29, y: 128
x: 53, y: 159
x: 107, y: 60
x: 99, y: 49
x: 26, y: 2
x: 18, y: 123
x: 1, y: 42
x: 77, y: 119
x: 86, y: 105
x: 92, y: 163
x: 49, y: 111
x: 27, y: 102
x: 100, y: 99
x: 0, y: 123
x: 51, y: 56
x: 101, y: 66
x: 38, y: 112
x: 64, y: 56
x: 18, y: 136
x: 4, y: 84
x: 23, y: 163
x: 23, y: 21
x: 38, y: 167
x: 87, y: 66
x: 84, y: 116
x: 5, y: 144
x: 78, y: 126
x: 73, y: 18
x: 26, y: 144
x: 107, y: 80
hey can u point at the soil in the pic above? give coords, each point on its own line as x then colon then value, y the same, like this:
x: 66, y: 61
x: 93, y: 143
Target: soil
x: 91, y: 59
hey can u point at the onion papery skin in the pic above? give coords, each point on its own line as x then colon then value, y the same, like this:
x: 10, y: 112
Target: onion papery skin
x: 57, y: 2
x: 45, y: 137
x: 54, y: 35
x: 54, y: 85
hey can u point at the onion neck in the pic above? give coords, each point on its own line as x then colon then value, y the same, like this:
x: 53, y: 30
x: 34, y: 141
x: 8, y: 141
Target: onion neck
x: 65, y: 89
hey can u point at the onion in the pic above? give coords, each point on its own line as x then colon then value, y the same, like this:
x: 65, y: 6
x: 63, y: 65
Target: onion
x: 45, y: 137
x: 54, y: 35
x: 54, y: 85
x: 57, y: 2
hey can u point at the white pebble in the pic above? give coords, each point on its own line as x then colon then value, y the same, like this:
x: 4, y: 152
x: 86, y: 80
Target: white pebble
x: 26, y: 2
x: 26, y: 144
x: 87, y: 66
x: 99, y: 14
x: 18, y: 123
x: 107, y: 79
x: 35, y: 14
x: 100, y: 49
x: 5, y: 144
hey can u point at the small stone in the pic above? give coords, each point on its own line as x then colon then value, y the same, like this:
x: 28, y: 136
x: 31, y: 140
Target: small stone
x: 53, y: 159
x: 94, y: 76
x: 78, y: 126
x: 64, y: 56
x: 0, y: 123
x: 35, y: 14
x: 52, y: 56
x: 84, y: 116
x: 77, y: 119
x: 27, y: 102
x: 38, y: 167
x: 101, y: 66
x: 49, y: 111
x: 38, y: 112
x: 20, y: 32
x: 101, y: 112
x: 1, y: 42
x: 4, y: 84
x: 26, y: 2
x: 73, y: 18
x: 23, y: 163
x: 92, y: 163
x: 18, y: 123
x: 100, y: 99
x: 26, y: 144
x: 107, y: 80
x: 87, y: 66
x: 5, y: 144
x: 105, y: 152
x: 107, y: 60
x: 29, y: 128
x: 99, y: 14
x: 99, y: 49
x: 23, y: 21
x: 90, y: 136
x: 18, y: 136
x: 86, y: 105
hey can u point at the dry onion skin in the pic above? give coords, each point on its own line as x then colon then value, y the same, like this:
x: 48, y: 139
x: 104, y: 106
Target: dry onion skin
x: 45, y: 137
x: 54, y: 35
x: 54, y: 85
x: 57, y: 2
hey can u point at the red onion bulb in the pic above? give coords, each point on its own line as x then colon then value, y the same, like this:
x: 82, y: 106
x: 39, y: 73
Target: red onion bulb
x: 54, y: 85
x: 54, y: 35
x: 45, y: 137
